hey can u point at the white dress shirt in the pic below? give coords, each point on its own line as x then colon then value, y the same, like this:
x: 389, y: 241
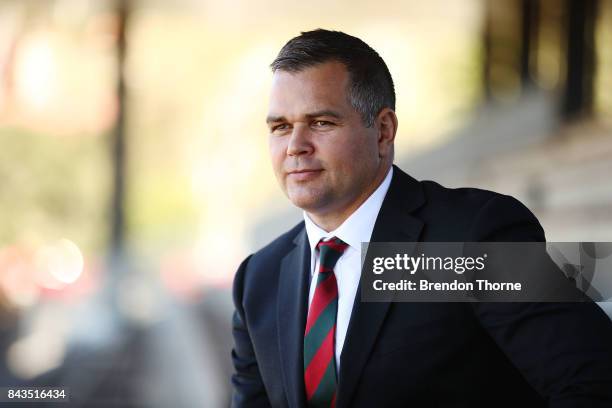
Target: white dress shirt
x: 357, y: 228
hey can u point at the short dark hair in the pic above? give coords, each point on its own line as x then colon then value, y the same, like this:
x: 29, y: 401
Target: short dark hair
x: 370, y: 84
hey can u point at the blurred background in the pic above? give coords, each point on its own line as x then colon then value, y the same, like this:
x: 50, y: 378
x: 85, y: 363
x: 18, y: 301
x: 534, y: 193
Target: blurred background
x: 134, y: 174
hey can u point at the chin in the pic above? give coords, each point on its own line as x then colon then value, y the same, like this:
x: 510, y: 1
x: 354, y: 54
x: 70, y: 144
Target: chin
x: 308, y: 199
x: 304, y: 203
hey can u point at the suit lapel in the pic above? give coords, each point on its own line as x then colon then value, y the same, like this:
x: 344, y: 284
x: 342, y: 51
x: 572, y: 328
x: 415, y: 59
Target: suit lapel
x: 394, y: 224
x: 291, y: 317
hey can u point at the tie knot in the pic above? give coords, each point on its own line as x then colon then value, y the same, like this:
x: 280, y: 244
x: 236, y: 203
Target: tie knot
x: 329, y: 253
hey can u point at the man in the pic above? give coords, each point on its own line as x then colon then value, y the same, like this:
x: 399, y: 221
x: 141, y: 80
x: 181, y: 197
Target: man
x: 302, y: 336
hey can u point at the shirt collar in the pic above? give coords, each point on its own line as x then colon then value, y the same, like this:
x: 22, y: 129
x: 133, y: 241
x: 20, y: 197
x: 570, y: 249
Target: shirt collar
x: 358, y: 227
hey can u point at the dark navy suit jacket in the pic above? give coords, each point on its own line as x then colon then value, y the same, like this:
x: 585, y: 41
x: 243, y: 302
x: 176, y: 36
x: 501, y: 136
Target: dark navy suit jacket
x: 421, y: 354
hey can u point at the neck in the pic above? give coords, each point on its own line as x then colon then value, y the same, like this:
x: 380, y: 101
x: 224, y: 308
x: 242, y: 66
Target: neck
x: 329, y: 221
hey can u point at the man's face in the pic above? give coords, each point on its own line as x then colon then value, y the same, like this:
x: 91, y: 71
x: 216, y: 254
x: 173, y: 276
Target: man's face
x: 323, y: 155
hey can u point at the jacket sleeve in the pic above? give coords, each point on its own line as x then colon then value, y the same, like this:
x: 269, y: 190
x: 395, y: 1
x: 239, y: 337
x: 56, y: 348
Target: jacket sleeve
x: 247, y: 386
x: 564, y: 350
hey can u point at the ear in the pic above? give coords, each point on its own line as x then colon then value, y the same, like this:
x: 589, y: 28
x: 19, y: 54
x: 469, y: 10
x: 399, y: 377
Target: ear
x: 386, y: 123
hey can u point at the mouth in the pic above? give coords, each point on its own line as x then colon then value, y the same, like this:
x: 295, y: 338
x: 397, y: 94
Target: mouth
x: 304, y: 174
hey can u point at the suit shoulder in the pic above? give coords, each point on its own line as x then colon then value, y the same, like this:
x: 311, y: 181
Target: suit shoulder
x: 481, y: 212
x: 463, y: 199
x: 477, y: 198
x: 278, y: 247
x: 261, y: 268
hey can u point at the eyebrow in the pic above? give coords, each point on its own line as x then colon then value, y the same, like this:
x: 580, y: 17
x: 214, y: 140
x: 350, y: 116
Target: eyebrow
x: 324, y: 112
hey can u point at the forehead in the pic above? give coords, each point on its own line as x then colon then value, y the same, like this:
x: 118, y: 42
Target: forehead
x: 322, y: 86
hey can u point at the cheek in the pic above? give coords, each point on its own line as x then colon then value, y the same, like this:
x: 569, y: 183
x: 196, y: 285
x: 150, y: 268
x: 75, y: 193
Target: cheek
x: 359, y: 153
x: 277, y: 149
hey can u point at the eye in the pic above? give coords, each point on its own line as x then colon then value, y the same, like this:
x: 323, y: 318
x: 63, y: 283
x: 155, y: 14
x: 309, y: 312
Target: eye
x: 321, y: 123
x: 278, y: 128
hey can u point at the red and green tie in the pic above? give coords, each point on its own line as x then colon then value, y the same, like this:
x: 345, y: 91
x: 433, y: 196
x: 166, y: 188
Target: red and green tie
x: 319, y: 337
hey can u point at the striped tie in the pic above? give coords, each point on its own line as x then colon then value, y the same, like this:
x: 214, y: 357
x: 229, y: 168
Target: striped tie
x: 319, y: 337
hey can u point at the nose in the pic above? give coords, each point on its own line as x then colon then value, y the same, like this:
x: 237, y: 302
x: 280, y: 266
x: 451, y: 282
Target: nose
x: 300, y: 142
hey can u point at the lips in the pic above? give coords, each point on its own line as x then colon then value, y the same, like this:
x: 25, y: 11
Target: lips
x: 304, y: 174
x: 304, y: 171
